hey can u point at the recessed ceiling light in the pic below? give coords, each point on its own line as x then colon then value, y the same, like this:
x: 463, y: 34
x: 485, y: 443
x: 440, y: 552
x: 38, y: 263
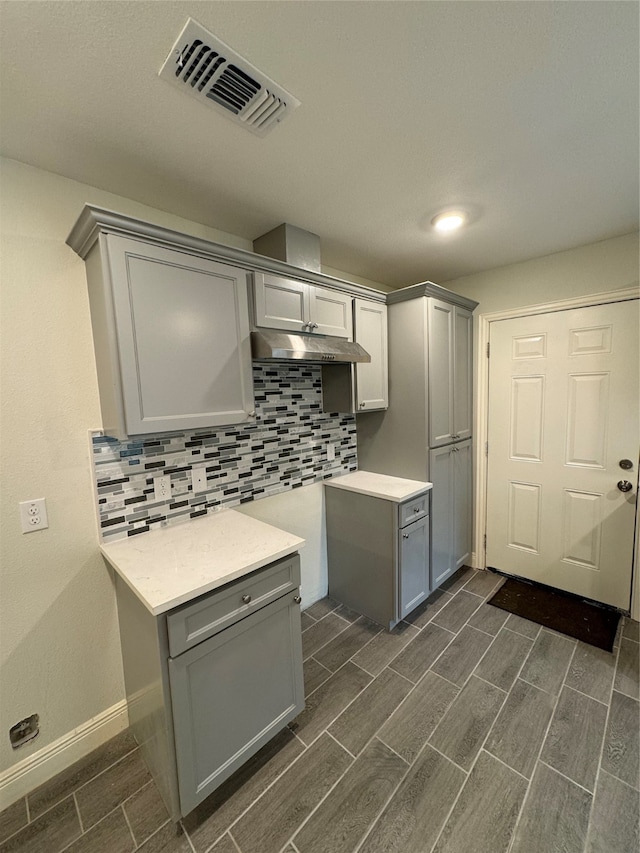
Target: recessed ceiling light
x: 450, y: 220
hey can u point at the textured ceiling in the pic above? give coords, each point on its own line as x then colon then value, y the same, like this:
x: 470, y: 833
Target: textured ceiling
x: 526, y: 113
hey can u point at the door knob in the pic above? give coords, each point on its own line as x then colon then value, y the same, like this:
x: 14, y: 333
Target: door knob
x: 625, y: 485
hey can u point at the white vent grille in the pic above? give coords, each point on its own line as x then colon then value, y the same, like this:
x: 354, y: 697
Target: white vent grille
x: 208, y: 69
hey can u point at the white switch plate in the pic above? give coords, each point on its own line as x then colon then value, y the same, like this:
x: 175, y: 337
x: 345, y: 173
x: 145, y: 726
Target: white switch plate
x: 331, y: 452
x: 33, y: 515
x: 199, y: 479
x: 162, y: 488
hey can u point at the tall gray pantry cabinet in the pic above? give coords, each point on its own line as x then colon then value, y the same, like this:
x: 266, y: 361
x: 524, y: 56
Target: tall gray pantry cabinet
x: 426, y: 434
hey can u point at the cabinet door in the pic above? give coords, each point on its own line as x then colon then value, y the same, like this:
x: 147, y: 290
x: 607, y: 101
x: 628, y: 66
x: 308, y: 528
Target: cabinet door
x: 462, y: 374
x: 441, y: 474
x: 233, y: 693
x: 413, y: 574
x: 281, y: 303
x: 462, y: 502
x: 441, y: 376
x: 372, y: 380
x: 182, y: 329
x: 330, y: 312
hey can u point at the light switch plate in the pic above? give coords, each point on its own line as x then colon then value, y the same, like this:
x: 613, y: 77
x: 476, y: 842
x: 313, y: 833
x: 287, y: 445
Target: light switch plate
x: 33, y: 515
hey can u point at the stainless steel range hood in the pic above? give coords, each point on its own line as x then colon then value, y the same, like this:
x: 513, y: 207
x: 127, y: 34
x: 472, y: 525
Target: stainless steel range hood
x: 273, y: 345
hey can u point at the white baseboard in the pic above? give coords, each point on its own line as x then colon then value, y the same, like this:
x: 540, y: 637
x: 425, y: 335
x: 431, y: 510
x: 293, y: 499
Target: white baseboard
x: 38, y: 768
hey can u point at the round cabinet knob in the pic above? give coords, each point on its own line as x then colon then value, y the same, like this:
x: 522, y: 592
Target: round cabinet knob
x: 297, y: 599
x: 405, y: 535
x: 362, y: 405
x: 246, y: 599
x: 416, y: 509
x: 625, y: 485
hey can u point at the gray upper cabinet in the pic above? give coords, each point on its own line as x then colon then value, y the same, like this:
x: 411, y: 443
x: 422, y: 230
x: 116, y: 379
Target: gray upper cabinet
x: 450, y: 354
x: 372, y: 379
x: 171, y: 335
x: 295, y: 306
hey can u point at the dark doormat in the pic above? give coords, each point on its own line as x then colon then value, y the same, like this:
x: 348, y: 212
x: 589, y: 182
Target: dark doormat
x: 560, y: 611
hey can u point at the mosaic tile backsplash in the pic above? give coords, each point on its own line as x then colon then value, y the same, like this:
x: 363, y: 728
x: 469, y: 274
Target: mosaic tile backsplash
x: 284, y: 448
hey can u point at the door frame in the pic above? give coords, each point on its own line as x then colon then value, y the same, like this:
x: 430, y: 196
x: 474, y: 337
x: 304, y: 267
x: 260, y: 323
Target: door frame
x: 484, y: 322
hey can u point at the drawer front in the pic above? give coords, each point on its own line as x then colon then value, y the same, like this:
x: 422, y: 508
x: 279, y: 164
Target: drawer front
x: 194, y: 622
x: 413, y: 510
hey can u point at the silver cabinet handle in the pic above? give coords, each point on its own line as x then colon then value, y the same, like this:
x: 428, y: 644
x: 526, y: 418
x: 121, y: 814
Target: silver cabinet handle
x: 405, y: 535
x: 297, y: 599
x: 362, y: 405
x: 416, y: 509
x: 246, y: 599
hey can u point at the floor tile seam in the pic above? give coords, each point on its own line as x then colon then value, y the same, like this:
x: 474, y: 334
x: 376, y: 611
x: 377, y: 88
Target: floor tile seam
x: 84, y: 832
x: 372, y: 677
x: 506, y: 764
x: 505, y: 627
x: 566, y: 686
x: 229, y: 826
x: 629, y: 640
x: 386, y: 803
x: 233, y: 842
x: 349, y: 659
x: 77, y: 806
x: 339, y: 742
x: 602, y: 745
x: 628, y: 695
x: 622, y: 781
x: 25, y: 826
x: 185, y: 833
x: 537, y: 686
x: 491, y: 684
x: 455, y: 799
x: 93, y: 779
x: 20, y: 828
x: 488, y: 649
x: 26, y: 803
x: 290, y: 839
x: 568, y: 778
x: 562, y: 636
x: 471, y: 615
x: 390, y: 661
x: 435, y: 660
x: 128, y: 822
x: 543, y: 740
x: 72, y: 791
x: 335, y: 636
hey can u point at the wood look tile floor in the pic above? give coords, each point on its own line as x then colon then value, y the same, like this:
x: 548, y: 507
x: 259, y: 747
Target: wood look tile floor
x: 464, y: 730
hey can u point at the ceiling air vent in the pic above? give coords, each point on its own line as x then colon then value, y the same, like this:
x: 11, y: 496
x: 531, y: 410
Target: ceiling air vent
x: 205, y: 67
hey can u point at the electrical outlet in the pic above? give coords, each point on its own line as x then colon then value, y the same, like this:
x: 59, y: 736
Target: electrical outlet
x: 199, y: 479
x: 331, y: 452
x: 33, y: 515
x: 162, y: 488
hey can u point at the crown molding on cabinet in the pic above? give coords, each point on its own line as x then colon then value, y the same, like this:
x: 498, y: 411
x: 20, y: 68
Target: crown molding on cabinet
x: 94, y: 221
x: 428, y: 288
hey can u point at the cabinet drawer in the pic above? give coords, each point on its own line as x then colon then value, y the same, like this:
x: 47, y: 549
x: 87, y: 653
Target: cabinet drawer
x: 413, y: 510
x: 194, y: 622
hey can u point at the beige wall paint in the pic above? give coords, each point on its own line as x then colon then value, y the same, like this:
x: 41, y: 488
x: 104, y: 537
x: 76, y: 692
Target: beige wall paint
x: 59, y: 643
x: 596, y: 268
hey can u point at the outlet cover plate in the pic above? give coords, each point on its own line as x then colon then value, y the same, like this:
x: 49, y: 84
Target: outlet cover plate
x: 33, y: 515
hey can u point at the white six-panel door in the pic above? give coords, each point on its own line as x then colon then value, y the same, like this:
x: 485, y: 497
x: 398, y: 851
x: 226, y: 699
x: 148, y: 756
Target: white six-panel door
x: 563, y: 414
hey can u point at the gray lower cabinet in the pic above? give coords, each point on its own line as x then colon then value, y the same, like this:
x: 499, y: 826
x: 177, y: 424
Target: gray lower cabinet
x: 377, y: 553
x: 210, y: 682
x: 450, y: 469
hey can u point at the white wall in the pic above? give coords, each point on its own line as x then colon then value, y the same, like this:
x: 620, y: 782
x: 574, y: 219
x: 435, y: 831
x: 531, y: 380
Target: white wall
x: 596, y: 268
x: 59, y: 643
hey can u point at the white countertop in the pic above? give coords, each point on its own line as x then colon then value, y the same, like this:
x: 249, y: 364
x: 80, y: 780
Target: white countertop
x: 170, y: 566
x: 395, y: 489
